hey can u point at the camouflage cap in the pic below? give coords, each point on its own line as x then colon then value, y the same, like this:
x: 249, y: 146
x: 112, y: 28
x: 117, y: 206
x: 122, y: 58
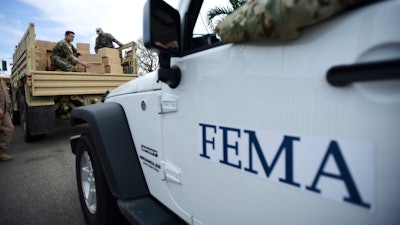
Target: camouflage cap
x: 99, y: 30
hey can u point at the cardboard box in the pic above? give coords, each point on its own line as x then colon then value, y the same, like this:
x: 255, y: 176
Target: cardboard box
x: 40, y: 61
x: 91, y: 58
x: 41, y: 45
x: 111, y: 61
x: 44, y: 46
x: 48, y: 59
x: 83, y: 48
x: 118, y: 69
x: 50, y: 45
x: 109, y: 52
x: 80, y: 68
x: 95, y: 68
x: 43, y: 52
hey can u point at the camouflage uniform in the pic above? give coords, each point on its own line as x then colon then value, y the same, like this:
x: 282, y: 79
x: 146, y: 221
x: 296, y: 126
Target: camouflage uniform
x: 259, y: 20
x: 105, y: 41
x: 64, y: 56
x: 6, y: 125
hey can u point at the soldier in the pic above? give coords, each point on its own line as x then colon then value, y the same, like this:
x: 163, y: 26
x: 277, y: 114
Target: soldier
x: 6, y: 126
x: 105, y: 40
x: 65, y: 55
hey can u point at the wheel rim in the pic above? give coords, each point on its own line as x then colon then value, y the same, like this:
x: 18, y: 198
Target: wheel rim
x: 88, y: 183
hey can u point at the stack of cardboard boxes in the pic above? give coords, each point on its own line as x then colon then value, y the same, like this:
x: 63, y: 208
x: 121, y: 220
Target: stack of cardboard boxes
x: 43, y: 53
x: 107, y: 60
x: 111, y: 60
x: 93, y: 59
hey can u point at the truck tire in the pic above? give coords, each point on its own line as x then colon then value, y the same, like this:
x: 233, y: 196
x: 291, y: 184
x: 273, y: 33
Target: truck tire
x: 15, y: 117
x: 25, y: 122
x: 99, y: 206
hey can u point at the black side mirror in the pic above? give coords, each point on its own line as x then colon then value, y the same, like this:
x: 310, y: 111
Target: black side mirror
x: 161, y: 27
x: 161, y: 30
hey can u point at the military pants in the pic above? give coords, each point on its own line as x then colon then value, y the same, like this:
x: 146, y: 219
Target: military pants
x: 62, y: 63
x: 6, y: 132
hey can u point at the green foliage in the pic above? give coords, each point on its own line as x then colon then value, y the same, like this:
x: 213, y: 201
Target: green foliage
x: 219, y: 13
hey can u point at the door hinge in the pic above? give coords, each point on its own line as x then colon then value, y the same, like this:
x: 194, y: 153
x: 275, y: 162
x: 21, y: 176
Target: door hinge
x: 170, y: 172
x: 169, y: 103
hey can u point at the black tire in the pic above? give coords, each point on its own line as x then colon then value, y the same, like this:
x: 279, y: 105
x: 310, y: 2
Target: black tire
x: 15, y: 117
x: 99, y: 206
x: 26, y: 126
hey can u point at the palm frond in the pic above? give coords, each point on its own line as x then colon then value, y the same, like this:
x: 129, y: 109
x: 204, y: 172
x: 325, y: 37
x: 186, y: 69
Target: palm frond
x: 222, y: 12
x: 237, y: 3
x: 217, y: 12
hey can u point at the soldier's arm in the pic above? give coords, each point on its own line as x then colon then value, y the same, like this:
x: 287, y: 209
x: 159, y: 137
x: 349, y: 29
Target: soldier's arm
x: 97, y: 45
x: 284, y: 22
x: 113, y: 39
x: 75, y: 51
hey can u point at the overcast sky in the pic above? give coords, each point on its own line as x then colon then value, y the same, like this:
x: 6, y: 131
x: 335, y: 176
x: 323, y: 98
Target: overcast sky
x: 122, y: 18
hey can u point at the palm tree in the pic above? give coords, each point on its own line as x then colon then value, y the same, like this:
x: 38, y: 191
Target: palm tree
x: 219, y: 13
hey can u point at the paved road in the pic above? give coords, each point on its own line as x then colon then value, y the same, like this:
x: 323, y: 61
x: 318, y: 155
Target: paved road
x: 38, y: 187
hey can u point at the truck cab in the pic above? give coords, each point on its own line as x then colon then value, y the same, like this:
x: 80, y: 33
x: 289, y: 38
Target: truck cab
x: 300, y: 130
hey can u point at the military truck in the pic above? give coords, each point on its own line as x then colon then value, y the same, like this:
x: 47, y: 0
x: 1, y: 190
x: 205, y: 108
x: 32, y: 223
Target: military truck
x: 266, y: 131
x: 41, y: 96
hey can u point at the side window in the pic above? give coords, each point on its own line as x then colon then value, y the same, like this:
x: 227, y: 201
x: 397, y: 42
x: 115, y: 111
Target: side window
x: 196, y: 34
x: 203, y: 35
x: 202, y: 27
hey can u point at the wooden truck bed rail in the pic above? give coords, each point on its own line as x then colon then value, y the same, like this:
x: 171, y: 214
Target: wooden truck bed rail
x: 48, y: 83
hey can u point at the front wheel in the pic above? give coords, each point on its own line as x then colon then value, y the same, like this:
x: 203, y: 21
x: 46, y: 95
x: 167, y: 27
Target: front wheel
x: 99, y: 206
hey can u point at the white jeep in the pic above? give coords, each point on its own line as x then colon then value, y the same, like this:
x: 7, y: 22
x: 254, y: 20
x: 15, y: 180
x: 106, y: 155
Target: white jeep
x: 305, y: 131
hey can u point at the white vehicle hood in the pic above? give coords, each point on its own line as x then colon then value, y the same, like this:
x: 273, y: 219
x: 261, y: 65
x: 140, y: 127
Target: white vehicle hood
x: 148, y: 82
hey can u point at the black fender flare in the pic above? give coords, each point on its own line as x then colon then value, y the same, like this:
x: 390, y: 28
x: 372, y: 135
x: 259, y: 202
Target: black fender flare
x: 115, y: 148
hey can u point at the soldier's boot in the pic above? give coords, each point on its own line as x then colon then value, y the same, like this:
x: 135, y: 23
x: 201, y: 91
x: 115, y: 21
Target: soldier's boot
x: 5, y: 157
